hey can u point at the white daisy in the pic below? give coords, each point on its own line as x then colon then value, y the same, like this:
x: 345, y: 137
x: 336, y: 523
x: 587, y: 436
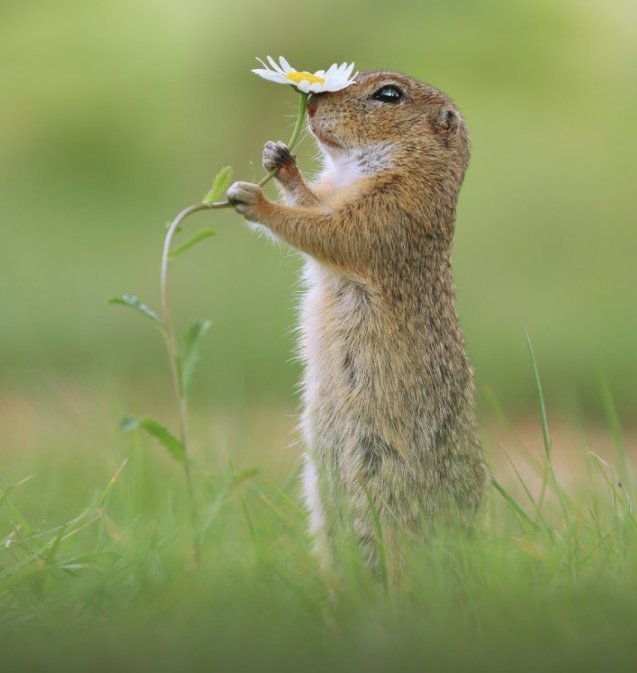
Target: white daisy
x: 335, y: 78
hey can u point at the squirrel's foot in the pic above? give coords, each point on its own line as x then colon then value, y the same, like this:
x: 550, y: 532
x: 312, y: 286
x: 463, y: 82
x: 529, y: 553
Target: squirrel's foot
x: 277, y: 156
x: 247, y: 199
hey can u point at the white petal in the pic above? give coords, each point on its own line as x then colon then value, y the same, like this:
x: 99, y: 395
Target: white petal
x: 272, y: 76
x: 285, y: 65
x: 275, y: 65
x: 262, y: 63
x: 336, y: 81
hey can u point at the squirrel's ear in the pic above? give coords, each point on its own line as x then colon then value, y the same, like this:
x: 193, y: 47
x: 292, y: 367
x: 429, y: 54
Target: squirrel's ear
x: 448, y: 121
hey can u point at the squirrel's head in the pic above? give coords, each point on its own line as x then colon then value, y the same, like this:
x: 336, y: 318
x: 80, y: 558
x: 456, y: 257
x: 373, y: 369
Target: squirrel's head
x: 392, y: 109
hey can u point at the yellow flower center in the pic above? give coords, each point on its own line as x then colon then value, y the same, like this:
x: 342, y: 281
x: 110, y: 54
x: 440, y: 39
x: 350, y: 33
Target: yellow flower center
x: 298, y: 77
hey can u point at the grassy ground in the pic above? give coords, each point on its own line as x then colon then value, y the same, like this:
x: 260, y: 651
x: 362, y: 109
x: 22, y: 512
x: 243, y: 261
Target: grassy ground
x: 97, y: 570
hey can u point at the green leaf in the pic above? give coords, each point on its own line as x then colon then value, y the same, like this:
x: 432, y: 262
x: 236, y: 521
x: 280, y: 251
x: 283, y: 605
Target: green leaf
x: 200, y: 235
x: 159, y: 432
x: 189, y: 353
x: 133, y: 302
x: 219, y: 185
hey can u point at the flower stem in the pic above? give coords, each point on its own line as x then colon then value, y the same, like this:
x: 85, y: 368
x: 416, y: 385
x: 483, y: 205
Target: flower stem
x: 294, y: 138
x: 170, y: 338
x: 170, y: 334
x: 299, y: 120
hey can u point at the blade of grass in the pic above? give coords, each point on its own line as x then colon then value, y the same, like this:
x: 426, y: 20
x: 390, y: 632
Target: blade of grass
x: 519, y: 511
x: 502, y: 417
x: 109, y: 487
x: 618, y: 439
x: 284, y: 496
x: 380, y: 543
x: 613, y: 483
x: 535, y: 504
x: 548, y: 446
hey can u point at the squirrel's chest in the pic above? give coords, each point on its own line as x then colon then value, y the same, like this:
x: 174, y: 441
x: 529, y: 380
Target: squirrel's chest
x: 341, y: 340
x: 336, y: 314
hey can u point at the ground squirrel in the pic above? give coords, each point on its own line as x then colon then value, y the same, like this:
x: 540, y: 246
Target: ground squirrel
x: 388, y: 391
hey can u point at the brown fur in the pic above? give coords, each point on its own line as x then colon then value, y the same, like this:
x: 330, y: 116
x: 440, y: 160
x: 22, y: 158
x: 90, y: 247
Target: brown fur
x: 388, y: 390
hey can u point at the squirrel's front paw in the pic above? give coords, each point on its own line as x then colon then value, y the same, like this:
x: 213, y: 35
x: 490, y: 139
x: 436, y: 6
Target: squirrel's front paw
x: 277, y: 156
x: 246, y: 199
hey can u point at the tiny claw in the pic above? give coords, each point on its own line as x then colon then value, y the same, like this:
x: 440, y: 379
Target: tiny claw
x: 276, y: 155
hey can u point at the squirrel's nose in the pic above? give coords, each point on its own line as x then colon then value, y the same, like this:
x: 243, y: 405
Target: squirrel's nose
x: 312, y: 104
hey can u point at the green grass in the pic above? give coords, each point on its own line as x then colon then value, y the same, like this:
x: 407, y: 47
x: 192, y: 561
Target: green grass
x: 547, y: 582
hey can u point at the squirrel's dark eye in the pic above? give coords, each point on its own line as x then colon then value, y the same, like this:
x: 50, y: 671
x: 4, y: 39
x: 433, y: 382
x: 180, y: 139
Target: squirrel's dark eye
x: 388, y: 94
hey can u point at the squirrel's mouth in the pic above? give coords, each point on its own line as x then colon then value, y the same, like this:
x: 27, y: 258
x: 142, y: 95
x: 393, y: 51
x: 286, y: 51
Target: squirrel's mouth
x: 326, y: 140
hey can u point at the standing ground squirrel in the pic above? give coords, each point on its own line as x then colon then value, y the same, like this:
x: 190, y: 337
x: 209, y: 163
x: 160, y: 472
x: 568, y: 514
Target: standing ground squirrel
x: 388, y: 416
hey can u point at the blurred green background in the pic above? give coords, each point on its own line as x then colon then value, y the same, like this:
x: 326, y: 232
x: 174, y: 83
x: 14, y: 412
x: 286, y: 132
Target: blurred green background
x: 115, y: 114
